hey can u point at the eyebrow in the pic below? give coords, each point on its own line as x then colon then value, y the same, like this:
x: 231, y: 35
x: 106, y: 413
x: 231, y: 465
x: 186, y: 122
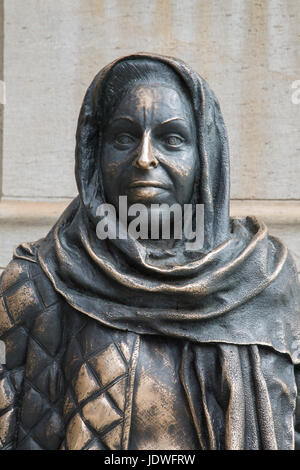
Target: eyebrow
x: 173, y: 119
x: 127, y: 118
x: 122, y: 117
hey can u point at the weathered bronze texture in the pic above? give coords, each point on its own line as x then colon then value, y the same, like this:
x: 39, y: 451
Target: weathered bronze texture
x: 139, y: 344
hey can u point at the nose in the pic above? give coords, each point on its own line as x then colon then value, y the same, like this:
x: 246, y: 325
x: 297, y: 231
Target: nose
x: 145, y: 159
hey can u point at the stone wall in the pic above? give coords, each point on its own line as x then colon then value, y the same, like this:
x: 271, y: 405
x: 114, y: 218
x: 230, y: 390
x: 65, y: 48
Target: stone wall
x: 248, y: 50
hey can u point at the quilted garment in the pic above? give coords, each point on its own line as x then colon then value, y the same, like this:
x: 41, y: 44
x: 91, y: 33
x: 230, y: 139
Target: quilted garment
x: 32, y: 375
x: 99, y: 368
x: 71, y: 383
x: 52, y: 397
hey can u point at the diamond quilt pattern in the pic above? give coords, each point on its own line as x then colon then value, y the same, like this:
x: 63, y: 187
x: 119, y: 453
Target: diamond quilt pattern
x: 95, y: 399
x: 32, y: 373
x: 64, y: 390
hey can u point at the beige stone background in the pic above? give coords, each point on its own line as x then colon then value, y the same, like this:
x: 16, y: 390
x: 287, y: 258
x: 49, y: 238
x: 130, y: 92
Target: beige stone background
x: 248, y: 50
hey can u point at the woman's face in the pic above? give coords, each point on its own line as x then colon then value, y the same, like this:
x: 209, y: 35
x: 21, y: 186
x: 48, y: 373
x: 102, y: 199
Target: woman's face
x: 149, y: 151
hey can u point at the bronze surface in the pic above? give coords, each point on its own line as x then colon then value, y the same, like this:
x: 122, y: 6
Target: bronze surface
x: 123, y: 344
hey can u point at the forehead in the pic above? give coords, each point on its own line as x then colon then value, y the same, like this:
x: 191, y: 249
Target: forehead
x: 156, y: 100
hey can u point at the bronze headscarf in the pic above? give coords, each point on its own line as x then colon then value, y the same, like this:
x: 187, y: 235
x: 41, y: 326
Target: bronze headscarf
x: 242, y: 288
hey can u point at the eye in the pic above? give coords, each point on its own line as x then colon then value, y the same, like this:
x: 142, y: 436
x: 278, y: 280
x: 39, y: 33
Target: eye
x: 174, y: 140
x: 124, y: 139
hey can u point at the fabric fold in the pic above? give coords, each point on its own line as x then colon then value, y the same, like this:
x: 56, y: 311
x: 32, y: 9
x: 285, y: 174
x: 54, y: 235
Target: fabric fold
x: 232, y: 399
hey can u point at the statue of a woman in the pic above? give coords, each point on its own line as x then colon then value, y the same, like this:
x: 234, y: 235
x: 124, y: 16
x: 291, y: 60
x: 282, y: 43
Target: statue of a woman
x: 144, y: 344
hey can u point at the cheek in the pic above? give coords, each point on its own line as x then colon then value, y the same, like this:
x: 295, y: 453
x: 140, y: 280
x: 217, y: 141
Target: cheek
x: 110, y: 165
x: 189, y: 166
x: 111, y: 171
x: 182, y: 168
x: 185, y: 174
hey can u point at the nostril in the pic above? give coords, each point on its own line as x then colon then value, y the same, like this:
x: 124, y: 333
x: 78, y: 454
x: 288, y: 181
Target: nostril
x: 145, y: 164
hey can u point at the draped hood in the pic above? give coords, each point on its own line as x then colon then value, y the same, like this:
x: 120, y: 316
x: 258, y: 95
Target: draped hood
x: 241, y: 288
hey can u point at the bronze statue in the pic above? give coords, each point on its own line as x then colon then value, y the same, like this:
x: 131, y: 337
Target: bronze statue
x: 145, y: 344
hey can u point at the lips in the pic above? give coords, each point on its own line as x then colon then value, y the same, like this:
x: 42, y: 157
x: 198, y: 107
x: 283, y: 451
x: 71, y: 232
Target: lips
x: 147, y: 184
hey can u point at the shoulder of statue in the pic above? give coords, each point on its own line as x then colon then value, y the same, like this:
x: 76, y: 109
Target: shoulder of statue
x: 25, y: 293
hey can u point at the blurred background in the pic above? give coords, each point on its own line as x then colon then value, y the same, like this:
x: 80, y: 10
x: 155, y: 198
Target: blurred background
x: 50, y: 50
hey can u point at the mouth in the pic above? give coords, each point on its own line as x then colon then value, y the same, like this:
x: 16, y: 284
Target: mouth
x: 147, y: 184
